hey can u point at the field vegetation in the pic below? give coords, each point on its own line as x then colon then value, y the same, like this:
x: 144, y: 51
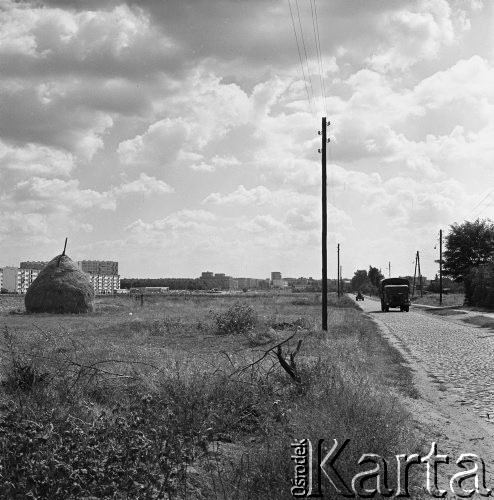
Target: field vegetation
x: 432, y: 299
x: 190, y: 396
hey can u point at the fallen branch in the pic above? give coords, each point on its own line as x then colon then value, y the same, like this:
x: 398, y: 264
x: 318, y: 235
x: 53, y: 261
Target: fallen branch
x: 291, y: 367
x: 266, y: 353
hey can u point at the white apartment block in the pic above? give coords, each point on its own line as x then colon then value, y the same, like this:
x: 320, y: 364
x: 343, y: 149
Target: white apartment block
x: 104, y: 284
x: 10, y: 279
x: 25, y: 278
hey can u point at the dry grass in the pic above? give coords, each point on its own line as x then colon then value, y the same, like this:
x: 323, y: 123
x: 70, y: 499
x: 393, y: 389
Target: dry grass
x: 164, y: 376
x: 449, y: 300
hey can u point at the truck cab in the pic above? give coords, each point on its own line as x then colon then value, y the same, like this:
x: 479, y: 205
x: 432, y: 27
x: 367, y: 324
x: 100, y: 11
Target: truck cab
x: 394, y: 292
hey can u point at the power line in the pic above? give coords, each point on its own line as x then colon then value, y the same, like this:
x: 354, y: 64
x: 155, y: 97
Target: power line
x: 300, y: 59
x: 305, y: 49
x: 482, y: 201
x: 319, y: 54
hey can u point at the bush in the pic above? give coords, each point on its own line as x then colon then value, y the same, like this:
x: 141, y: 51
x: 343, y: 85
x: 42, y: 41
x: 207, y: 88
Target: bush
x: 237, y: 319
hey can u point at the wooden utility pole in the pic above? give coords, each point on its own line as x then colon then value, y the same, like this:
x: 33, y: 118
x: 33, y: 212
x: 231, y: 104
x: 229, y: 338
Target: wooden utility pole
x: 389, y: 269
x: 414, y: 274
x: 420, y: 275
x: 338, y: 270
x: 324, y: 229
x: 440, y: 267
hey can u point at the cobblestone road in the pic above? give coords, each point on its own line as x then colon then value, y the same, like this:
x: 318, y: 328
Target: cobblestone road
x: 449, y: 350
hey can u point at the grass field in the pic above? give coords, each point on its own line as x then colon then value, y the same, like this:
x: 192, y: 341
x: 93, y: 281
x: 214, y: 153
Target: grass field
x: 449, y: 300
x: 165, y: 401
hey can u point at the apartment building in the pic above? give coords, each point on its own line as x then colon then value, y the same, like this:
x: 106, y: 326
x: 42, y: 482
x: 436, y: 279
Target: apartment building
x: 33, y: 264
x: 104, y: 284
x: 25, y: 277
x: 9, y: 279
x: 103, y: 267
x: 102, y: 274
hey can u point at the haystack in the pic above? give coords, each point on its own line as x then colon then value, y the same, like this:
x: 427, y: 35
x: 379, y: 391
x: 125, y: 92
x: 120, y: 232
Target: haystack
x: 61, y: 287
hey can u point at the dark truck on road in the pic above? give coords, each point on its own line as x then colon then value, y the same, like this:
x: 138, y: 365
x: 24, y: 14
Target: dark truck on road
x: 394, y: 292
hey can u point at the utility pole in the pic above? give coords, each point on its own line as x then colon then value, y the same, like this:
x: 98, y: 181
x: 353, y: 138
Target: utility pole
x: 440, y: 267
x: 389, y: 269
x: 420, y: 275
x: 324, y: 228
x: 414, y: 274
x: 339, y: 270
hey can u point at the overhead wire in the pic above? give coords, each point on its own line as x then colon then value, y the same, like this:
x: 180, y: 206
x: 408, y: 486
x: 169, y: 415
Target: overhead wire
x: 305, y: 52
x: 300, y: 59
x: 315, y: 23
x: 481, y: 202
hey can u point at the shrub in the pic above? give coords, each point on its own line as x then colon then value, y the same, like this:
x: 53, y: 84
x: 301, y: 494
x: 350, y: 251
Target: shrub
x: 237, y: 319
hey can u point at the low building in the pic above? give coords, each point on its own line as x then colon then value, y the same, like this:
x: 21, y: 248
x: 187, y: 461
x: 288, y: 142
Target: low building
x: 146, y: 290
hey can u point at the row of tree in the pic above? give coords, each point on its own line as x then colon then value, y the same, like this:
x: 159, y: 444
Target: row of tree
x: 469, y: 259
x: 367, y: 281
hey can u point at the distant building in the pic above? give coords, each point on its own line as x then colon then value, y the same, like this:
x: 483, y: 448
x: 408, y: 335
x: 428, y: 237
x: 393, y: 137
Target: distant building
x: 102, y: 274
x: 25, y: 278
x: 275, y: 276
x: 33, y: 264
x: 248, y: 283
x: 98, y: 266
x: 104, y: 284
x: 219, y: 281
x: 9, y: 279
x: 154, y: 290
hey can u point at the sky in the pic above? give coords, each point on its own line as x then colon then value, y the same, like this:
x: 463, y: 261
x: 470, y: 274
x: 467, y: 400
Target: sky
x: 181, y: 136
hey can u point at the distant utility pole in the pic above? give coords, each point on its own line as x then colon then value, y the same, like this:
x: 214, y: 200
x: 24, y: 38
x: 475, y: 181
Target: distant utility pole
x: 339, y: 270
x: 440, y: 267
x: 420, y: 275
x: 414, y: 275
x: 324, y: 227
x: 389, y: 269
x: 417, y: 267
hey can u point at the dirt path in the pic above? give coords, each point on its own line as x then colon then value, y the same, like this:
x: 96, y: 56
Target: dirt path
x: 452, y: 367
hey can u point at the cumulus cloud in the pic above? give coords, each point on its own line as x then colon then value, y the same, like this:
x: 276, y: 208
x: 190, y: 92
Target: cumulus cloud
x: 34, y: 159
x: 241, y: 196
x: 143, y: 185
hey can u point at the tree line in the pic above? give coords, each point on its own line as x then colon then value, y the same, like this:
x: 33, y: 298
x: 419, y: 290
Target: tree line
x: 468, y: 261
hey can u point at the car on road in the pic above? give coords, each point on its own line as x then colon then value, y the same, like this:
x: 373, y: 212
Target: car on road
x: 359, y: 296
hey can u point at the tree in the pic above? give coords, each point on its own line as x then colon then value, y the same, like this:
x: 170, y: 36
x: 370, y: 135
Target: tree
x: 360, y: 280
x: 375, y: 276
x: 468, y: 245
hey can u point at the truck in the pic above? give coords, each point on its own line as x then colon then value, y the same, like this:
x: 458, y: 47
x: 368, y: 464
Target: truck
x: 394, y: 292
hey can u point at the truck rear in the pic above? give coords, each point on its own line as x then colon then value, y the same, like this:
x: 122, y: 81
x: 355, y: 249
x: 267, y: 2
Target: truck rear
x: 395, y: 292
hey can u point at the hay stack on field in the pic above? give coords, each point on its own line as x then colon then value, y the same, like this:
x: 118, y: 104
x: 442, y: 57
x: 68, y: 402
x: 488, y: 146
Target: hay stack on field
x: 61, y: 287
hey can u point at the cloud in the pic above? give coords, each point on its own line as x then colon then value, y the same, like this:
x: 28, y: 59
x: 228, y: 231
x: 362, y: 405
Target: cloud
x: 183, y: 220
x: 241, y: 196
x: 33, y: 159
x: 216, y: 162
x: 417, y: 32
x: 56, y: 195
x: 143, y: 185
x: 13, y: 224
